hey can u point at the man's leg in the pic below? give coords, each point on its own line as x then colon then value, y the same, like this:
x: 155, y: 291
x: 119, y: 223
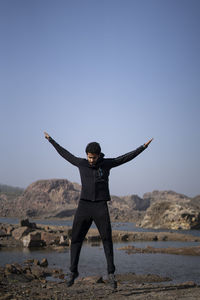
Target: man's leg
x: 102, y: 221
x: 81, y: 225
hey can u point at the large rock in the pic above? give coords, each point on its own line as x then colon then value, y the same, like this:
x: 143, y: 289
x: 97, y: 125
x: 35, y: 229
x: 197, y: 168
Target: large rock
x: 44, y: 263
x: 32, y: 240
x: 49, y: 238
x: 132, y: 202
x: 25, y: 222
x: 38, y: 272
x: 6, y: 229
x: 18, y: 233
x: 127, y: 208
x: 64, y: 240
x: 9, y: 229
x: 171, y: 210
x: 171, y: 215
x: 2, y: 233
x: 12, y: 269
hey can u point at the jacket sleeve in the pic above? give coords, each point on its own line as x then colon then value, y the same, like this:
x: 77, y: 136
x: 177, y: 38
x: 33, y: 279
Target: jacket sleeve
x: 65, y: 154
x: 115, y: 162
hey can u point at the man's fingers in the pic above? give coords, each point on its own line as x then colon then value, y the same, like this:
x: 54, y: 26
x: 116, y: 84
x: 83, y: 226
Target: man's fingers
x: 147, y: 144
x: 150, y: 140
x: 46, y: 135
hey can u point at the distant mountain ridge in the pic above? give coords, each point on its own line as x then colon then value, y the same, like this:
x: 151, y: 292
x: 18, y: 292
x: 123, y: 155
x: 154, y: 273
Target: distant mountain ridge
x: 9, y: 192
x: 4, y: 188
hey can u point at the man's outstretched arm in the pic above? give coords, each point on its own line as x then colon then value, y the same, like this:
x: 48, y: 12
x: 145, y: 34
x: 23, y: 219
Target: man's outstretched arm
x: 63, y: 152
x: 114, y: 162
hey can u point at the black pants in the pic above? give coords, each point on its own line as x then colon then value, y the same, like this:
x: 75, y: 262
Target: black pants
x: 87, y: 212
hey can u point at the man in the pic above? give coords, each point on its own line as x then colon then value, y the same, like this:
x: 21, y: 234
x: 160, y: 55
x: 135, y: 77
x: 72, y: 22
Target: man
x: 94, y: 173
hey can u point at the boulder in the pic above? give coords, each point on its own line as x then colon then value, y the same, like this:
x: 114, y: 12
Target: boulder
x: 32, y: 240
x: 50, y: 238
x: 44, y: 263
x: 11, y: 269
x: 38, y: 272
x: 64, y: 240
x: 36, y: 262
x: 171, y: 215
x: 29, y: 261
x: 25, y: 222
x: 125, y: 237
x: 18, y: 233
x: 2, y: 233
x: 9, y: 229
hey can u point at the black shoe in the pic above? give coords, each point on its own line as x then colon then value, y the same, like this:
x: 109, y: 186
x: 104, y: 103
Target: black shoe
x: 72, y: 277
x: 112, y: 281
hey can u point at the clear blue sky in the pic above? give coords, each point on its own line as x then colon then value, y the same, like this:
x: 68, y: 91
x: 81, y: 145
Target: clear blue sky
x: 114, y: 71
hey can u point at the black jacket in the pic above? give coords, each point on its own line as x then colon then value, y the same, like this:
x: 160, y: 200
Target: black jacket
x: 94, y: 179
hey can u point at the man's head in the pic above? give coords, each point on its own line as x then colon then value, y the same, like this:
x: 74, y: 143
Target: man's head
x: 93, y: 151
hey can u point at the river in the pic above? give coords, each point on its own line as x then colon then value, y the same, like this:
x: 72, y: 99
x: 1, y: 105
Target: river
x: 92, y: 260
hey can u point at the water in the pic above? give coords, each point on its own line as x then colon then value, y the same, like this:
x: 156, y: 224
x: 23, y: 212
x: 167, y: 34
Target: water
x: 92, y: 260
x: 56, y: 222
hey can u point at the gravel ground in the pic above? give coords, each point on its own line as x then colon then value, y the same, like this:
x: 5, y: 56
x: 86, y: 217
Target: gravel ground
x: 130, y: 286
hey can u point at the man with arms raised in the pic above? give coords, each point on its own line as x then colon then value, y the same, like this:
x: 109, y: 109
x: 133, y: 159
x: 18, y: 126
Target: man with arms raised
x: 94, y: 173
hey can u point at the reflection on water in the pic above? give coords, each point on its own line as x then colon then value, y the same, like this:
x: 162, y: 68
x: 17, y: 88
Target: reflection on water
x: 92, y: 260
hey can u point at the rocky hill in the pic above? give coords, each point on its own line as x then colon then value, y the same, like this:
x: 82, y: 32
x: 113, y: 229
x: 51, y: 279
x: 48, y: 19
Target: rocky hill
x: 59, y: 198
x: 46, y: 198
x: 128, y: 208
x: 166, y: 196
x: 171, y: 210
x: 8, y: 197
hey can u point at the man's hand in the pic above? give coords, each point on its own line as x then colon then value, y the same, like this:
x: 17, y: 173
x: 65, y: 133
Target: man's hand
x: 147, y: 144
x: 47, y: 136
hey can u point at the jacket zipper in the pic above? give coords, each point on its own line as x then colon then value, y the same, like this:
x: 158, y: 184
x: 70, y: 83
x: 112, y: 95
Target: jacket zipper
x: 94, y: 174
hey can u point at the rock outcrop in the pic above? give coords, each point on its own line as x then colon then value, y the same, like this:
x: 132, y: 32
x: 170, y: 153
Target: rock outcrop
x: 34, y: 235
x: 172, y: 211
x: 127, y: 208
x: 43, y: 198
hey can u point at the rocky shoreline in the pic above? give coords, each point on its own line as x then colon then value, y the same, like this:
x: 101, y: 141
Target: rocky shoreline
x: 194, y: 251
x: 34, y: 280
x: 28, y: 235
